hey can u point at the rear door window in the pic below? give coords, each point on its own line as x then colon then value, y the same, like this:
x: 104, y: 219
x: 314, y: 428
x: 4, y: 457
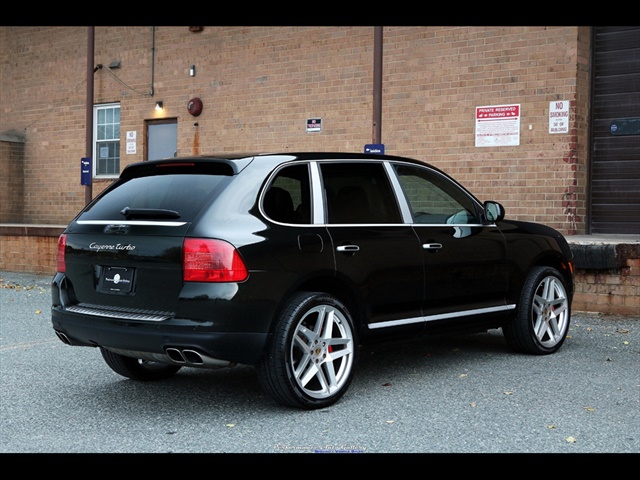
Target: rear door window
x: 359, y: 193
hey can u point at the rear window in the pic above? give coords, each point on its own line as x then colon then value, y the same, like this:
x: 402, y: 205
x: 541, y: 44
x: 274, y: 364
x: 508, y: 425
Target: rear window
x: 185, y: 194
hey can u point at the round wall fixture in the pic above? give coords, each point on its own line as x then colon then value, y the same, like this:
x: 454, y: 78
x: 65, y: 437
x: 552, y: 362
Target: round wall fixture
x: 195, y: 106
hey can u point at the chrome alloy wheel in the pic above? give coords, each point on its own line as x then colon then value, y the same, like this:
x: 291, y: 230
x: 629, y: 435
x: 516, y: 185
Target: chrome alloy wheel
x: 322, y: 351
x: 550, y: 311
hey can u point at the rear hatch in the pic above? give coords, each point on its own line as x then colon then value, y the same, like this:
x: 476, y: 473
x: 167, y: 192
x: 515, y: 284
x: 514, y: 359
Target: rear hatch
x: 124, y: 251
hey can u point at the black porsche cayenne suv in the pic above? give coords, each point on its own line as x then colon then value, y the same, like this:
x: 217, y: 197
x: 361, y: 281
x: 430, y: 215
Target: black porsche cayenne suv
x: 289, y: 262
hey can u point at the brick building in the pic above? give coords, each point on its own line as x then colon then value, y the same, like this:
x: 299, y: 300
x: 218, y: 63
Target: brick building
x: 414, y: 89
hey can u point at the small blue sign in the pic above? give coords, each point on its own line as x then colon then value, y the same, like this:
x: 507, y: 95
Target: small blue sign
x: 374, y: 148
x: 625, y: 126
x: 85, y: 171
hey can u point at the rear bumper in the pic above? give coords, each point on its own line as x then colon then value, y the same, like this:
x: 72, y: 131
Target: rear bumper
x: 158, y: 338
x: 208, y: 323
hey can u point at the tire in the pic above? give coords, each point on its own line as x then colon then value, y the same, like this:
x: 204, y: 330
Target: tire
x: 310, y: 361
x: 542, y: 322
x: 137, y: 369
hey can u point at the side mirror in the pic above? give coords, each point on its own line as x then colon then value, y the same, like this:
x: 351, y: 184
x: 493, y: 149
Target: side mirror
x: 493, y: 211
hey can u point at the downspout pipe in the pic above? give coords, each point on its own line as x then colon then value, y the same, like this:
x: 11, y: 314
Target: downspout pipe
x: 377, y: 86
x: 88, y: 189
x: 153, y: 58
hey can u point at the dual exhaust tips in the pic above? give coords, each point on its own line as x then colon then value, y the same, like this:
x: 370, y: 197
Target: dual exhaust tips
x: 185, y: 356
x: 192, y: 358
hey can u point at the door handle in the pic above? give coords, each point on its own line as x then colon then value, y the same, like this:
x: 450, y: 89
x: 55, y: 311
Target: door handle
x: 348, y: 248
x: 432, y: 246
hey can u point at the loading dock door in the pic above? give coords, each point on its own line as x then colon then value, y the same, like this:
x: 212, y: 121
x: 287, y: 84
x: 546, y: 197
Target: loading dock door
x: 615, y: 139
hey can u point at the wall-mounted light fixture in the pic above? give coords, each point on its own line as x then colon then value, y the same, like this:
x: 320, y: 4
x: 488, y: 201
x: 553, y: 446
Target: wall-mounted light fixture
x: 159, y: 106
x: 115, y: 64
x: 192, y: 71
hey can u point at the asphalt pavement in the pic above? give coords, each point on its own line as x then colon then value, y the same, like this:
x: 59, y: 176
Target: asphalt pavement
x: 464, y: 394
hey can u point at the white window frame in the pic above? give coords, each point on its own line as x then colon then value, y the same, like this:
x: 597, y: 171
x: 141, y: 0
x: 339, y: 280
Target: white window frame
x: 99, y: 131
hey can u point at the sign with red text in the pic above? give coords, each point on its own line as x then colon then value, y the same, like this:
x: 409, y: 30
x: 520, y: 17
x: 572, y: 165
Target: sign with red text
x: 498, y: 126
x: 314, y: 124
x: 559, y: 117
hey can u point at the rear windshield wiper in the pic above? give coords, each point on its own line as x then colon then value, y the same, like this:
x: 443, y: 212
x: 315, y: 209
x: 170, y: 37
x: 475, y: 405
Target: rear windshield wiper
x: 130, y: 213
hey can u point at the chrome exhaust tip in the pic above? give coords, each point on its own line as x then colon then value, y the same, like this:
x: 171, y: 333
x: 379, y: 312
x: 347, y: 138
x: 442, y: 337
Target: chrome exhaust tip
x: 175, y: 355
x: 192, y: 357
x: 63, y: 338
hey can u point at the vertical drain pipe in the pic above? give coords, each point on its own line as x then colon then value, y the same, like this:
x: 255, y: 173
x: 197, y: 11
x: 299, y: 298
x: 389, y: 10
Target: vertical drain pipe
x: 377, y: 86
x: 88, y: 189
x: 153, y: 57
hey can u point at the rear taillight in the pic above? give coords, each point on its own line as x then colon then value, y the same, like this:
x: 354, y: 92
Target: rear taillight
x: 206, y: 260
x: 62, y: 243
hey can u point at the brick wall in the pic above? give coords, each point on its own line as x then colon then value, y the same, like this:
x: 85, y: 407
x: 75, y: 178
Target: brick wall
x: 435, y: 76
x: 29, y: 248
x: 11, y: 179
x: 614, y: 291
x: 260, y: 84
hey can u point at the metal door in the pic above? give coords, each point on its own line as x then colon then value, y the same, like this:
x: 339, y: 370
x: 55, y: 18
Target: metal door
x: 162, y: 139
x: 614, y: 205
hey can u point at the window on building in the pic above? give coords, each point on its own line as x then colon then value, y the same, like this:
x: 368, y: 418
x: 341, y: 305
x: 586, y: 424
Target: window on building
x: 106, y: 134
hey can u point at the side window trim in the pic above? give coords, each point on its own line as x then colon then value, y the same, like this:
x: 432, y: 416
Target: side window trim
x: 317, y: 200
x: 401, y: 198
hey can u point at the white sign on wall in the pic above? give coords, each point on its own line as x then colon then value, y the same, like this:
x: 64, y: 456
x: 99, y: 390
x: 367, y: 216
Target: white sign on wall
x: 131, y: 143
x: 559, y: 117
x: 498, y: 125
